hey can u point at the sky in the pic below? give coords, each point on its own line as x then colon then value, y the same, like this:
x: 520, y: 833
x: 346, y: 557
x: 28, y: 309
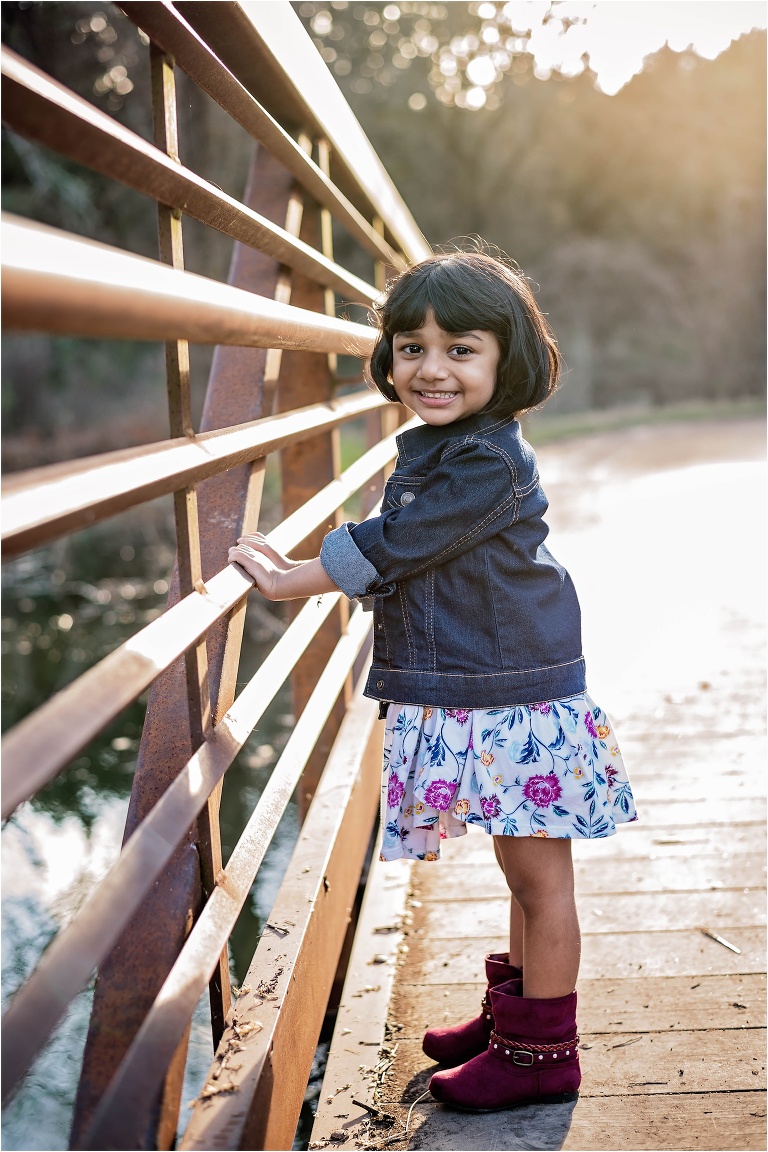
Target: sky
x: 618, y: 34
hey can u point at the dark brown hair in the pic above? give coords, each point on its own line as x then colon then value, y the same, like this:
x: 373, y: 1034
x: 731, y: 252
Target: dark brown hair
x: 468, y: 290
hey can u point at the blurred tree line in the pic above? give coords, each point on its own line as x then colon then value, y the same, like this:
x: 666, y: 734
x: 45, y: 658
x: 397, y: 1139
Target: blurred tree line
x: 641, y: 215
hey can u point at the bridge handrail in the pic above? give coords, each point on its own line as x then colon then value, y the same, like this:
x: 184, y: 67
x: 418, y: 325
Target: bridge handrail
x: 257, y: 62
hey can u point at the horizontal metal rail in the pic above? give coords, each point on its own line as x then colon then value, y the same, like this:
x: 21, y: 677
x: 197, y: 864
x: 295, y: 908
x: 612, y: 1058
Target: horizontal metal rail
x: 39, y: 107
x: 254, y: 41
x: 45, y: 503
x: 148, y: 1057
x: 166, y: 28
x: 56, y: 282
x: 46, y: 740
x: 70, y: 959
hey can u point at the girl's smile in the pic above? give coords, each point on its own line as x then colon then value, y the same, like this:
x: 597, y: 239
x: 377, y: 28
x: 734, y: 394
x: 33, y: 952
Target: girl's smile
x: 444, y: 376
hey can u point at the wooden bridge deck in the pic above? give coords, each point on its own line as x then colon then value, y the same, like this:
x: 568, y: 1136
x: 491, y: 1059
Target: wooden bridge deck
x: 672, y: 1021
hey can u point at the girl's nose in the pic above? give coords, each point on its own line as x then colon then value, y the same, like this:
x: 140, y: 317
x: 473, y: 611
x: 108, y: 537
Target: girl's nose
x: 432, y: 367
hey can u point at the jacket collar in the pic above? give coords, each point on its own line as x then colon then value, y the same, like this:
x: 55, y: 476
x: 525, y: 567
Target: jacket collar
x: 426, y: 437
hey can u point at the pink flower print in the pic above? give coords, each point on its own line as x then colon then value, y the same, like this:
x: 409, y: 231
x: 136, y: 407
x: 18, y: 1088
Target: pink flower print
x: 589, y: 724
x: 460, y: 715
x: 490, y: 806
x: 395, y: 791
x: 439, y: 794
x: 544, y: 708
x: 542, y: 790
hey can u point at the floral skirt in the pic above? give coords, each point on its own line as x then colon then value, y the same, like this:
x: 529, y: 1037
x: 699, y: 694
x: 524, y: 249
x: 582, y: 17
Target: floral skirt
x: 550, y: 769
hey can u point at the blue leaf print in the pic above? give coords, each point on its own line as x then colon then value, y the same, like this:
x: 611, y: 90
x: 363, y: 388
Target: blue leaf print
x: 581, y: 821
x: 530, y: 751
x: 559, y: 741
x: 558, y: 811
x: 537, y: 818
x: 485, y: 735
x: 510, y: 826
x: 592, y: 808
x: 589, y: 792
x: 393, y: 828
x: 600, y: 779
x: 473, y: 818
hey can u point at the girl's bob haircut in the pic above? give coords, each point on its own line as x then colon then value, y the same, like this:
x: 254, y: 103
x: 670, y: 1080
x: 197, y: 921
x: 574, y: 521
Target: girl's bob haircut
x: 474, y: 290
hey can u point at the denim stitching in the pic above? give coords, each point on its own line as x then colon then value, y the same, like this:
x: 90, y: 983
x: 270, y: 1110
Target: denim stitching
x: 406, y: 622
x: 490, y: 675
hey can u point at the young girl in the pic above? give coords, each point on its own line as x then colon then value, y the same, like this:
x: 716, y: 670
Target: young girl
x: 477, y: 656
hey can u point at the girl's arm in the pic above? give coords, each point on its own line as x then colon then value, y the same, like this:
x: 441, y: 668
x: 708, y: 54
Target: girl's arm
x: 277, y: 577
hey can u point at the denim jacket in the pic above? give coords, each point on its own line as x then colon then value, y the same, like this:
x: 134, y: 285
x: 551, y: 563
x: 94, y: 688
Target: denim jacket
x: 471, y: 610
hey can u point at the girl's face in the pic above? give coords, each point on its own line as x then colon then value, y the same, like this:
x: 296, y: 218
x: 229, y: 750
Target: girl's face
x: 444, y: 376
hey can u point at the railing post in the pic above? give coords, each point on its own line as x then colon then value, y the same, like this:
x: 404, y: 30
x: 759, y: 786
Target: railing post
x: 306, y: 379
x: 239, y: 389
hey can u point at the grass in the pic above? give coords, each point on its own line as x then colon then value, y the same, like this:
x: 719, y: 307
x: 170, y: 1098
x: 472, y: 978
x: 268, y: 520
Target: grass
x: 540, y: 428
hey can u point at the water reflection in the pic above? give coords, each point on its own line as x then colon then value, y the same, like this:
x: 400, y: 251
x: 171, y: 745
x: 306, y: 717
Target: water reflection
x: 64, y: 608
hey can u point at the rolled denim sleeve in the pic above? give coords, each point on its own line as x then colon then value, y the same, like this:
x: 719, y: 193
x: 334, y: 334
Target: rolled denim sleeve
x: 470, y: 496
x: 346, y: 565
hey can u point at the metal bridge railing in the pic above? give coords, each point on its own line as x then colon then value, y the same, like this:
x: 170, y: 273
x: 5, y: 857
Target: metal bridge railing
x: 157, y: 926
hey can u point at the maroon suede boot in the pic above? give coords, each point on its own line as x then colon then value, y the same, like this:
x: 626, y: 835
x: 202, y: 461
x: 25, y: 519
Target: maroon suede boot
x: 532, y: 1057
x: 460, y: 1042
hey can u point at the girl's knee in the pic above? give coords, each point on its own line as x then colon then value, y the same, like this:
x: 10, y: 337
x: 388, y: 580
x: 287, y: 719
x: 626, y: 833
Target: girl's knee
x: 537, y: 874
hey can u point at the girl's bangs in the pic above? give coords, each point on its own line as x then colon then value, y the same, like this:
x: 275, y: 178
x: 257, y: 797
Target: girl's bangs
x: 454, y: 310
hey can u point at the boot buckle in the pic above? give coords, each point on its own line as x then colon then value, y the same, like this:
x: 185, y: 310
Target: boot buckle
x: 521, y: 1057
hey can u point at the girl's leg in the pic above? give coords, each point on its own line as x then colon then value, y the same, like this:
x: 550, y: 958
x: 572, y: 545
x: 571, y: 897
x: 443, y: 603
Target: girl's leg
x: 539, y: 874
x: 515, y: 919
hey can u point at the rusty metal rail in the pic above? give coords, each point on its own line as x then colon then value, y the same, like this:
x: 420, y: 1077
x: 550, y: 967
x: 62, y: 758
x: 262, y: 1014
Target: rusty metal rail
x: 272, y: 390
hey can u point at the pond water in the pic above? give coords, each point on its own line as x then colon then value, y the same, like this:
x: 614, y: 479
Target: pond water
x: 65, y: 607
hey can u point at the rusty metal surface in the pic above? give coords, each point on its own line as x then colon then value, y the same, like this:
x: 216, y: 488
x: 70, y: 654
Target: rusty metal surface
x: 44, y: 503
x: 135, y: 971
x: 167, y: 28
x: 298, y: 964
x: 39, y: 107
x: 188, y: 563
x: 266, y: 47
x: 304, y: 469
x: 56, y: 282
x: 69, y: 960
x: 114, y: 1123
x: 50, y: 736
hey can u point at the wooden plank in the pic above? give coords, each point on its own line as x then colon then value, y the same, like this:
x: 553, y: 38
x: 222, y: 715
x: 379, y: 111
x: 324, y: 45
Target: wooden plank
x: 56, y: 282
x: 649, y: 1064
x: 266, y: 47
x: 607, y: 955
x: 360, y: 1031
x: 295, y: 958
x: 713, y: 1122
x: 725, y: 870
x: 69, y: 960
x: 637, y: 841
x: 38, y: 107
x: 43, y: 503
x: 149, y: 1053
x: 635, y: 1004
x: 600, y: 913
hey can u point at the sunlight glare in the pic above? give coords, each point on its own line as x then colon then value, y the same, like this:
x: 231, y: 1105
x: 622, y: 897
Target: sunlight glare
x: 619, y: 34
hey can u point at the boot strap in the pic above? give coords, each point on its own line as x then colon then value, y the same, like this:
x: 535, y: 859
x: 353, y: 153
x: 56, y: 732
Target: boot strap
x: 520, y: 1052
x: 486, y: 1007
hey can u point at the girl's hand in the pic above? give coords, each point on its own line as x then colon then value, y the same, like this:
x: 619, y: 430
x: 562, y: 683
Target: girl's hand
x: 258, y: 564
x: 258, y: 541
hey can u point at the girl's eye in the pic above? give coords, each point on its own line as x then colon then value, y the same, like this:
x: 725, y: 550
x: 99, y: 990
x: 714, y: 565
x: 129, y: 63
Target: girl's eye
x: 461, y: 350
x: 410, y: 349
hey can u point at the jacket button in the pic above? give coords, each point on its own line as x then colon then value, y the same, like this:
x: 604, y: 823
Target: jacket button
x: 379, y: 683
x: 406, y: 498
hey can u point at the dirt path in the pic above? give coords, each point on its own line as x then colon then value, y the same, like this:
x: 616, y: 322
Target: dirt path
x: 662, y: 530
